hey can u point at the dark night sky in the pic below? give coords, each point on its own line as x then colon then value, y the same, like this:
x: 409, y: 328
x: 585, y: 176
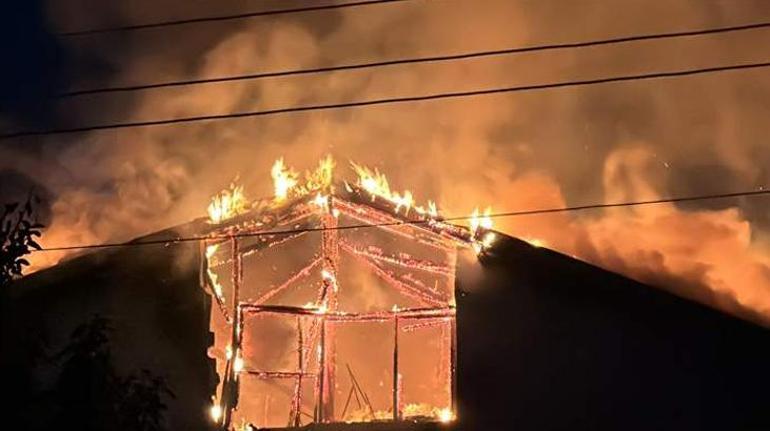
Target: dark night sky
x: 573, y: 146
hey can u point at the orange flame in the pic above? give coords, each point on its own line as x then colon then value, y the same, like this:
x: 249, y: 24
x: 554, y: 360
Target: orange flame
x: 284, y: 179
x: 210, y: 250
x: 286, y: 182
x: 228, y: 203
x: 481, y: 224
x: 376, y: 183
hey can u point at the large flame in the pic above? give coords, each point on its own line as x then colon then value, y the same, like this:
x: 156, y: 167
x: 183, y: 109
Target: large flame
x: 284, y: 179
x: 376, y: 183
x: 286, y: 182
x: 320, y: 178
x: 479, y: 220
x: 227, y: 203
x: 480, y: 226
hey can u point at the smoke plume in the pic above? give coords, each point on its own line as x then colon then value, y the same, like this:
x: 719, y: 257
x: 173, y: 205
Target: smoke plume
x: 638, y: 140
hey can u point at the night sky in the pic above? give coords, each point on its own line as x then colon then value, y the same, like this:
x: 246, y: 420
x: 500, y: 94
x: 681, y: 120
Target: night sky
x: 609, y: 143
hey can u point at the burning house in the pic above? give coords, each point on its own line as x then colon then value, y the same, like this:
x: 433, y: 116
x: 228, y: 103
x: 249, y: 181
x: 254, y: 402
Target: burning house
x: 333, y: 303
x: 346, y: 305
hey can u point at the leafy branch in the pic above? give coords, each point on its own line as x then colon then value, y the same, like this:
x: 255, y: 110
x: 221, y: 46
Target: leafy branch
x: 18, y: 231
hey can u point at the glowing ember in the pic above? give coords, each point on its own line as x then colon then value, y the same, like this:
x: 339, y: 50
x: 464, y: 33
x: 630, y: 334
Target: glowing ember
x: 238, y: 363
x: 446, y: 415
x: 536, y: 242
x: 321, y: 200
x: 215, y: 412
x: 316, y: 308
x: 284, y: 179
x: 227, y: 204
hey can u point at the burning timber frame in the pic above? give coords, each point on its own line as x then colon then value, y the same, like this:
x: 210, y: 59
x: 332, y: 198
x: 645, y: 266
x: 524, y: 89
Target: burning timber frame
x: 260, y: 224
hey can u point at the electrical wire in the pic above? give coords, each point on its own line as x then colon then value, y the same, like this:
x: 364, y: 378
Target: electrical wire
x: 167, y: 242
x: 417, y: 60
x: 171, y: 23
x: 388, y: 101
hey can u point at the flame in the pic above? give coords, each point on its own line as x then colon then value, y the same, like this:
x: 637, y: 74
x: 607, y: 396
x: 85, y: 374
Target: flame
x: 480, y: 226
x: 228, y: 203
x: 479, y: 220
x: 321, y: 178
x: 284, y: 179
x: 210, y: 251
x: 376, y: 183
x: 443, y: 415
x: 286, y: 182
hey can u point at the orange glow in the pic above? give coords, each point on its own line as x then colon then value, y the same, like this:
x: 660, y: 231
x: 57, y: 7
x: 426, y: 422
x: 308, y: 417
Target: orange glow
x: 536, y: 242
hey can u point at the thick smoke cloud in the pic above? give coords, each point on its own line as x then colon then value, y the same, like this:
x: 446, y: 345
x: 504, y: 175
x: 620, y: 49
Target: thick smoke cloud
x: 530, y: 150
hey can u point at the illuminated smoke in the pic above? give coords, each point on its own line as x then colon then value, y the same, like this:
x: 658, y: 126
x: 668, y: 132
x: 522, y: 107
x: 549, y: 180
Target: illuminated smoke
x: 531, y: 150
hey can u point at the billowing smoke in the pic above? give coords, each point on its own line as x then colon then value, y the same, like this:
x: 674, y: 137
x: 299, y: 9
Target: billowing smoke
x: 543, y: 149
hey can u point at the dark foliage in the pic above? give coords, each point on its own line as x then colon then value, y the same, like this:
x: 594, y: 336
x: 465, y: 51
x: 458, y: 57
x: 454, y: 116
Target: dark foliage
x: 18, y: 230
x: 141, y: 403
x: 89, y: 395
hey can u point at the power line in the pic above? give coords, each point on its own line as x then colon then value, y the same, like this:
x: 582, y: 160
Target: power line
x: 430, y: 59
x: 374, y: 102
x: 171, y: 23
x: 753, y: 193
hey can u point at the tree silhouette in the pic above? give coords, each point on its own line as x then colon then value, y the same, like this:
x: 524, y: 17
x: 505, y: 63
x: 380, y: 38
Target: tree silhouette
x: 18, y: 231
x: 86, y: 392
x: 90, y: 396
x: 141, y: 405
x: 20, y: 358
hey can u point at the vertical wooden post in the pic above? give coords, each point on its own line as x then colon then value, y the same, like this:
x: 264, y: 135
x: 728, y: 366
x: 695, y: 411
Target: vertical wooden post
x: 230, y: 387
x: 330, y: 253
x: 301, y: 369
x: 453, y: 363
x: 321, y: 382
x: 396, y: 379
